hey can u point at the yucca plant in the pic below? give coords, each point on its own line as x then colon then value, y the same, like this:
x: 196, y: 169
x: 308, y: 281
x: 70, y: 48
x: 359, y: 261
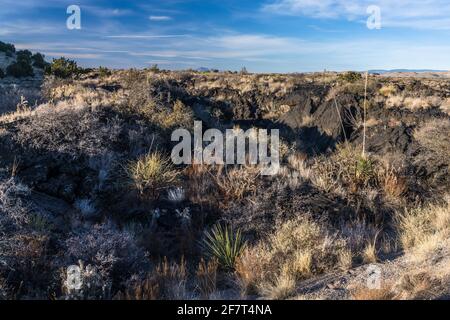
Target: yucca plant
x: 364, y: 169
x: 224, y: 244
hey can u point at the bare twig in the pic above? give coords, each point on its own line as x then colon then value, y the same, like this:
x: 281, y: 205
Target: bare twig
x: 365, y: 108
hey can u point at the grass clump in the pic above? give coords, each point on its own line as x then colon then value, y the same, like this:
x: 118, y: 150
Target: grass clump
x: 425, y: 229
x: 297, y: 250
x: 224, y: 244
x: 151, y: 172
x: 388, y: 90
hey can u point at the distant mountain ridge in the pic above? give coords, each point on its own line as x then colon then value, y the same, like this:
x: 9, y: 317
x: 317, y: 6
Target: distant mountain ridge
x: 381, y: 71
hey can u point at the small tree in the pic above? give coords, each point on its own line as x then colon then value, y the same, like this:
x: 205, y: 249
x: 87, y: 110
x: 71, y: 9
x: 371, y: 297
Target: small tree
x: 7, y: 48
x: 21, y: 68
x: 63, y: 68
x: 24, y: 56
x: 39, y: 60
x: 154, y: 68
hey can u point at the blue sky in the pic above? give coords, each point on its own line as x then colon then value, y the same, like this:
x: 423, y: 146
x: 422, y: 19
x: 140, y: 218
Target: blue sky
x: 262, y: 35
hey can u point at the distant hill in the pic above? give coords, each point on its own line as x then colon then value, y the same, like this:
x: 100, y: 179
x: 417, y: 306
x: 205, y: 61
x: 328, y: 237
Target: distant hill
x: 383, y: 71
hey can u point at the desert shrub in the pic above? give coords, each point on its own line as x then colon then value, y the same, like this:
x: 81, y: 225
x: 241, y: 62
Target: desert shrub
x: 350, y: 76
x: 224, y: 244
x: 84, y: 131
x: 24, y: 56
x: 95, y: 284
x: 425, y: 229
x: 237, y: 183
x: 63, y: 68
x: 104, y: 72
x: 166, y: 281
x: 178, y: 115
x: 13, y: 206
x: 413, y: 103
x: 298, y: 249
x: 422, y: 284
x: 151, y: 173
x: 39, y: 60
x: 22, y: 67
x: 7, y: 48
x: 112, y: 252
x: 392, y: 183
x: 346, y: 170
x: 154, y: 68
x: 388, y: 90
x: 19, y: 70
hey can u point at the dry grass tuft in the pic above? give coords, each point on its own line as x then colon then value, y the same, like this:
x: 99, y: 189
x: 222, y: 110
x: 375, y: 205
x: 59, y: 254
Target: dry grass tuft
x: 297, y: 250
x: 365, y: 294
x: 207, y: 277
x: 393, y: 185
x: 413, y: 103
x: 236, y: 183
x: 151, y: 172
x: 424, y: 230
x: 166, y: 281
x: 388, y: 90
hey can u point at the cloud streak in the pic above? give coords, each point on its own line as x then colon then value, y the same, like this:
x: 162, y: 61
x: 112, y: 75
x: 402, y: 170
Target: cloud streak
x: 416, y: 14
x: 160, y: 18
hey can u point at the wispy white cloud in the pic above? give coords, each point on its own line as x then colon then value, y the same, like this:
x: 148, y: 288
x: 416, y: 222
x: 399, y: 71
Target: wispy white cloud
x: 72, y: 55
x: 418, y: 14
x: 160, y: 18
x: 105, y: 12
x: 145, y: 36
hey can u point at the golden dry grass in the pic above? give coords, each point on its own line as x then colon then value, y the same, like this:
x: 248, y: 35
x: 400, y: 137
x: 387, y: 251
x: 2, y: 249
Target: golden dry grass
x: 364, y: 293
x: 424, y: 230
x: 388, y: 90
x: 151, y: 172
x: 297, y: 250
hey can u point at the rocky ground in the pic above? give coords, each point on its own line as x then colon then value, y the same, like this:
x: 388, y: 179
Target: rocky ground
x: 71, y: 192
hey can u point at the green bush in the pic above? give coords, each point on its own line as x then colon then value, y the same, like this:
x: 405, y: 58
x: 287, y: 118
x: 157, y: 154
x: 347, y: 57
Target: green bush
x: 7, y: 48
x: 20, y: 68
x: 39, y: 60
x: 104, y: 72
x: 224, y: 244
x: 350, y: 76
x: 24, y: 56
x: 154, y: 68
x: 63, y: 68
